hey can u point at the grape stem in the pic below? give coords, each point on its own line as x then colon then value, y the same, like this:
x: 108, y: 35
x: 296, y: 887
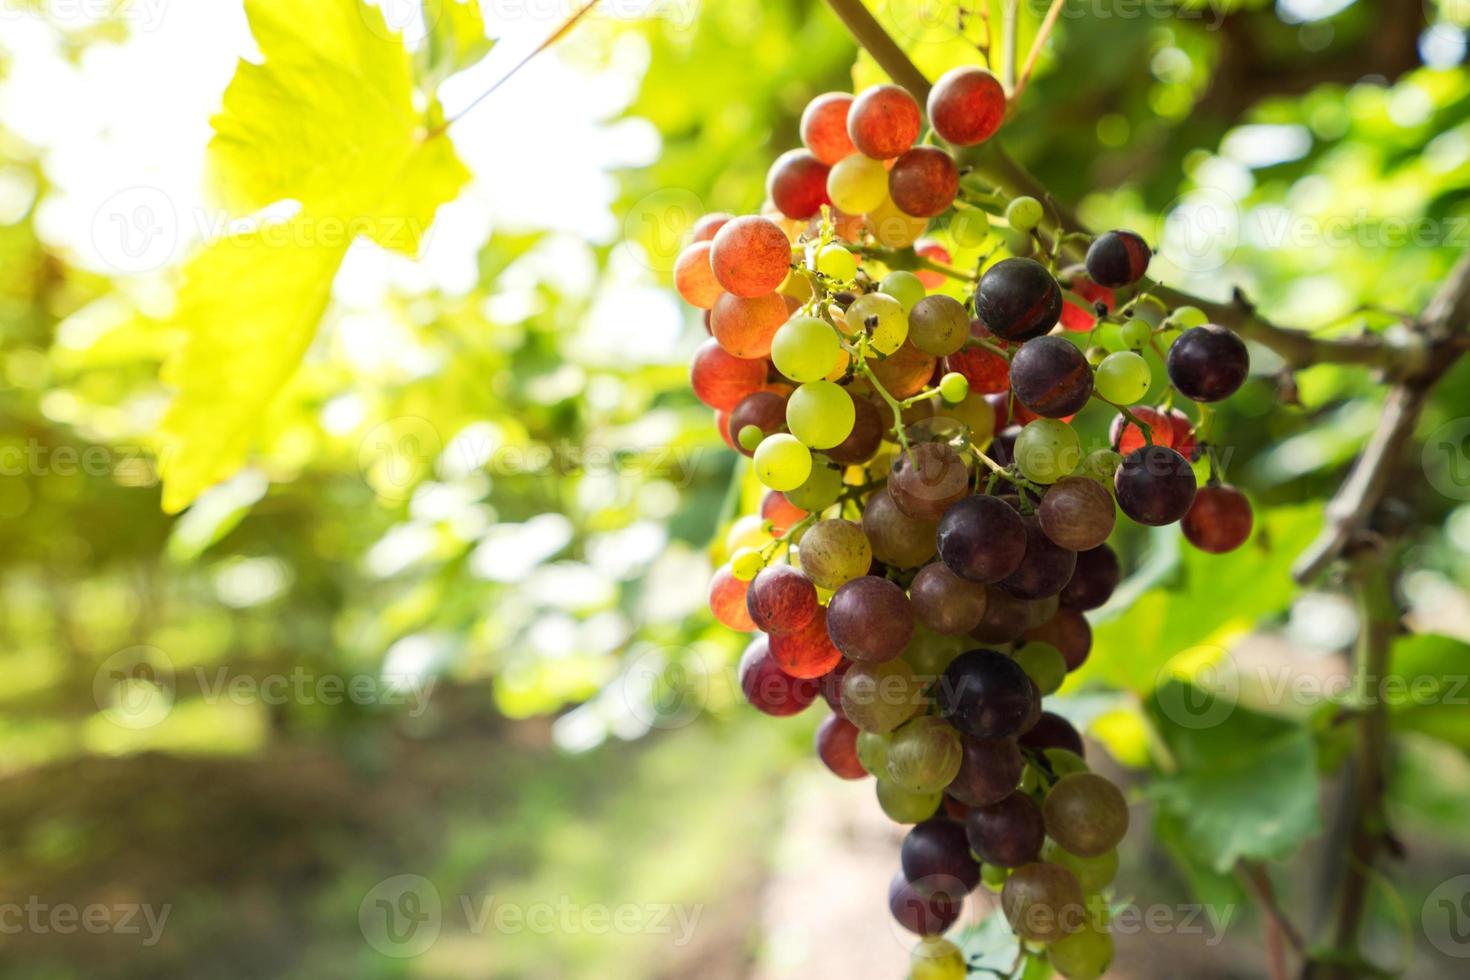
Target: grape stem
x: 1042, y: 33
x: 896, y: 258
x: 861, y: 361
x: 1010, y: 25
x: 1127, y: 413
x: 994, y: 348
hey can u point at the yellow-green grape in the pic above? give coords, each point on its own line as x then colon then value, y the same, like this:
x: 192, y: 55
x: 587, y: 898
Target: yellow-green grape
x: 929, y: 652
x: 880, y: 697
x: 872, y: 752
x: 939, y: 325
x: 1030, y: 778
x: 1095, y: 355
x: 806, y: 349
x: 1065, y: 762
x: 924, y: 755
x: 1093, y: 873
x: 1101, y: 465
x: 901, y: 806
x: 1018, y: 243
x: 820, y: 490
x: 820, y: 414
x: 1044, y: 664
x: 750, y: 437
x: 1083, y: 955
x: 1046, y: 450
x: 796, y: 284
x: 782, y: 462
x: 1151, y: 310
x: 1024, y: 213
x: 748, y: 531
x: 904, y: 287
x: 856, y: 184
x: 836, y: 261
x: 1123, y: 378
x: 1186, y: 317
x: 954, y: 387
x: 1136, y: 333
x: 746, y: 564
x: 975, y: 414
x: 892, y: 228
x: 937, y: 959
x: 993, y: 876
x: 834, y: 552
x: 882, y: 318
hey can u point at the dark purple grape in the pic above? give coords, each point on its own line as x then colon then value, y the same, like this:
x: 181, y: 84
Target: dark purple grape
x: 1051, y: 377
x: 781, y: 599
x: 985, y: 694
x: 1077, y: 513
x: 946, y: 603
x: 1220, y: 520
x: 1098, y: 574
x: 864, y: 439
x: 1008, y: 833
x: 1052, y: 731
x: 767, y: 687
x: 1208, y: 363
x: 936, y: 859
x: 921, y: 915
x: 1018, y: 299
x: 1155, y: 485
x: 990, y: 769
x: 1045, y: 568
x: 982, y: 539
x: 1003, y: 447
x: 870, y: 619
x: 1118, y: 258
x: 929, y: 478
x: 1068, y: 631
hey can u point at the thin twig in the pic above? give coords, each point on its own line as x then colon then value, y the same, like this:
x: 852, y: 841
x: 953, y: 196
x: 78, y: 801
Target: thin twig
x: 890, y: 57
x: 1042, y: 33
x: 1010, y: 25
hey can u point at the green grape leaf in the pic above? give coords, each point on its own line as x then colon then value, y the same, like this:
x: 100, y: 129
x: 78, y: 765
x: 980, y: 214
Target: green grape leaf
x: 1427, y: 688
x: 456, y: 38
x: 326, y: 125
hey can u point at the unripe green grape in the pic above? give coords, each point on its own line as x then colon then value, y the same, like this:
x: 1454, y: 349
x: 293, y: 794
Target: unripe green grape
x: 993, y: 876
x: 880, y: 697
x: 872, y: 752
x: 1151, y: 310
x: 820, y: 414
x: 954, y: 387
x: 1123, y: 378
x: 924, y: 755
x: 1101, y: 465
x: 1095, y: 355
x: 1047, y: 450
x: 857, y: 184
x: 937, y: 958
x: 1044, y: 664
x: 901, y: 806
x: 884, y: 314
x: 1083, y: 955
x: 782, y: 462
x: 1024, y: 213
x: 1093, y: 873
x: 1018, y: 243
x: 1136, y: 333
x: 1085, y: 814
x: 1186, y: 317
x: 806, y: 349
x: 904, y: 287
x: 746, y: 564
x: 930, y: 652
x: 1064, y: 762
x: 750, y: 437
x: 836, y: 261
x: 820, y: 490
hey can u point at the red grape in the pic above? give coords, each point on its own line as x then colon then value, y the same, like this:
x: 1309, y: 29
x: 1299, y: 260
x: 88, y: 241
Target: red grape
x: 1220, y: 520
x: 708, y: 226
x: 750, y: 256
x: 1077, y: 513
x: 946, y: 603
x: 896, y: 538
x: 866, y: 436
x: 720, y: 379
x: 745, y: 326
x: 797, y: 184
x: 929, y: 478
x: 765, y: 410
x: 727, y: 600
x: 770, y: 689
x: 981, y: 539
x: 824, y: 127
x: 807, y: 652
x: 782, y: 513
x: 924, y: 182
x: 883, y: 122
x: 922, y: 916
x: 1068, y: 631
x: 781, y: 599
x: 1045, y: 568
x: 837, y: 747
x: 1117, y: 258
x: 1092, y: 585
x: 1077, y: 318
x: 1052, y: 731
x: 1008, y: 833
x: 694, y: 279
x: 870, y: 619
x: 1126, y: 437
x: 936, y: 859
x: 967, y: 106
x: 990, y: 769
x: 933, y: 251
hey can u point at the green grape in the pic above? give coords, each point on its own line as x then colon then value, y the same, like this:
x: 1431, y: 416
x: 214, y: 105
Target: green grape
x: 1047, y: 450
x: 1136, y: 333
x: 1151, y: 310
x: 820, y: 414
x: 937, y: 958
x: 1100, y: 465
x: 924, y: 755
x: 880, y: 697
x: 1086, y: 814
x: 806, y: 349
x: 901, y: 806
x: 976, y: 414
x: 1030, y: 778
x: 857, y: 185
x: 1084, y: 955
x: 836, y: 261
x: 1093, y: 873
x: 939, y: 325
x: 993, y: 876
x: 746, y: 564
x: 1044, y: 664
x: 750, y: 437
x: 954, y: 387
x: 872, y: 752
x: 782, y: 462
x: 1064, y: 762
x: 1018, y: 243
x: 904, y: 287
x: 835, y: 552
x: 1095, y: 355
x: 930, y: 652
x: 1186, y: 317
x: 882, y: 317
x: 820, y: 490
x: 1123, y: 378
x: 1024, y: 213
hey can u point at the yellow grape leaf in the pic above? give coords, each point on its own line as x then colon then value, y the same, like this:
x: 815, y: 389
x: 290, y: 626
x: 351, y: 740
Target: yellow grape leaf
x: 327, y: 121
x: 456, y: 35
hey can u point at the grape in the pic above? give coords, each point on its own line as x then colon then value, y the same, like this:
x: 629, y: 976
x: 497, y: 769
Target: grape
x: 985, y: 694
x: 824, y: 127
x: 953, y: 388
x: 939, y: 325
x: 797, y: 184
x: 1024, y: 213
x: 946, y: 603
x: 1007, y: 833
x: 1068, y: 631
x: 1043, y: 902
x: 836, y: 746
x: 837, y: 262
x: 806, y: 652
x: 987, y: 372
x: 1084, y: 955
x: 937, y: 959
x: 1086, y: 814
x: 930, y: 652
x: 821, y: 489
x: 1136, y: 333
x: 882, y: 318
x: 767, y: 687
x: 975, y: 414
x: 883, y: 122
x: 750, y: 256
x: 924, y: 182
x: 1092, y: 585
x: 1182, y: 431
x: 872, y: 751
x: 936, y: 856
x: 1052, y: 731
x: 694, y: 279
x: 1051, y: 377
x: 834, y: 552
x: 1219, y: 520
x: 933, y: 251
x: 896, y: 538
x: 727, y: 600
x: 880, y: 697
x: 782, y: 462
x: 892, y: 227
x: 1064, y: 762
x: 750, y: 436
x: 746, y: 326
x: 1100, y: 465
x: 1125, y: 437
x: 1046, y: 450
x: 720, y: 379
x: 1076, y: 318
x: 981, y: 539
x: 928, y: 479
x: 1077, y: 513
x: 1041, y: 661
x: 830, y: 684
x: 820, y: 414
x: 967, y: 106
x: 780, y: 512
x: 867, y: 435
x: 1005, y: 619
x: 746, y: 563
x: 924, y: 916
x: 1123, y: 378
x: 1018, y: 299
x: 901, y: 806
x: 857, y: 184
x: 923, y: 755
x: 1117, y: 258
x: 1208, y: 364
x: 905, y: 372
x: 904, y: 287
x: 781, y: 600
x: 709, y: 225
x: 870, y: 619
x: 765, y: 410
x: 806, y: 348
x: 1155, y: 485
x: 990, y: 768
x: 1093, y: 873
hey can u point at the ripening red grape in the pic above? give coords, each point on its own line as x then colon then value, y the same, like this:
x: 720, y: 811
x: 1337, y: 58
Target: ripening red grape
x: 906, y: 371
x: 770, y: 689
x: 896, y: 538
x: 797, y: 184
x: 1052, y: 731
x: 807, y: 652
x: 750, y: 256
x: 1155, y: 485
x: 1219, y: 520
x: 944, y: 602
x: 1018, y: 299
x: 921, y: 915
x: 781, y: 512
x: 1077, y: 513
x: 765, y: 410
x: 1125, y: 437
x: 933, y: 251
x: 835, y: 551
x: 824, y: 127
x: 1043, y: 902
x: 1051, y: 377
x: 929, y: 478
x: 1005, y: 618
x: 745, y: 326
x: 1208, y: 363
x: 1008, y: 833
x: 709, y: 225
x: 981, y: 539
x: 967, y: 106
x: 1092, y: 585
x: 1068, y: 631
x: 836, y: 745
x: 870, y: 619
x: 866, y: 436
x: 1086, y: 814
x: 1184, y: 441
x: 985, y: 694
x: 1117, y: 258
x: 830, y: 685
x: 727, y: 600
x: 1077, y: 318
x: 720, y: 379
x: 923, y: 182
x: 990, y: 769
x: 883, y: 122
x: 694, y: 279
x: 988, y: 374
x: 781, y: 599
x: 936, y: 859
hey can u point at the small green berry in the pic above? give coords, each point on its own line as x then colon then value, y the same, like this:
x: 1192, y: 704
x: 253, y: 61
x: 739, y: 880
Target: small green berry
x: 1024, y: 213
x: 750, y: 437
x: 954, y: 387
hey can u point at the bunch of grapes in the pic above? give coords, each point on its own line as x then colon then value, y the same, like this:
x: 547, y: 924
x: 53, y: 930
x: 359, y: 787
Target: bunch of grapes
x: 933, y: 530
